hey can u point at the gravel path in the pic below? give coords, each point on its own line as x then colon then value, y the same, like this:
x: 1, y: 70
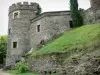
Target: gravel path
x: 4, y: 73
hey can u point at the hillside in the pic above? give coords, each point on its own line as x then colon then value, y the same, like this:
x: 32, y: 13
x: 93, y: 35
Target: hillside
x: 76, y: 52
x: 75, y: 40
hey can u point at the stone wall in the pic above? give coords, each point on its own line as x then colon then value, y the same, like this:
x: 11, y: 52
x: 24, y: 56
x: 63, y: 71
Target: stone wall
x: 47, y: 63
x: 91, y: 17
x: 95, y: 4
x: 50, y: 27
x: 66, y: 63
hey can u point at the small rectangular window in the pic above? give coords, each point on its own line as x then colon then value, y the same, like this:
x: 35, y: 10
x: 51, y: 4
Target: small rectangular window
x: 16, y: 14
x: 38, y: 28
x: 14, y: 44
x: 71, y: 24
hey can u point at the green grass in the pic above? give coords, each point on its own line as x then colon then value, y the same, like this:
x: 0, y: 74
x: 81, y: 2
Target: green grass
x: 73, y: 40
x: 16, y: 72
x: 13, y: 71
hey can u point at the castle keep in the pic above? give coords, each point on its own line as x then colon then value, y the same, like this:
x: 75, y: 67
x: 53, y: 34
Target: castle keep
x: 26, y: 30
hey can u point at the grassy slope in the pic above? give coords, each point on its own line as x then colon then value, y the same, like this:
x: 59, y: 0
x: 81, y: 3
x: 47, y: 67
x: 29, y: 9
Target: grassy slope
x: 75, y: 39
x: 16, y: 72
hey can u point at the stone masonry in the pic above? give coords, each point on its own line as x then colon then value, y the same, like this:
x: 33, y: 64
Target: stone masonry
x: 18, y: 30
x: 92, y: 15
x: 26, y: 30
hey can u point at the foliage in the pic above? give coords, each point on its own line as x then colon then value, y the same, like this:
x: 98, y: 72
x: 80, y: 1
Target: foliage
x: 3, y: 48
x: 74, y: 40
x: 39, y: 10
x: 75, y: 14
x: 22, y: 67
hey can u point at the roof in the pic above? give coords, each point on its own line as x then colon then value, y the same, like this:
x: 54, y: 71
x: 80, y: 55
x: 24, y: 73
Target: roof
x: 54, y: 13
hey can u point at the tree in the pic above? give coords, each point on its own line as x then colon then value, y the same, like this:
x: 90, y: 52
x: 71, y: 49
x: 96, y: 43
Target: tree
x: 39, y: 10
x: 3, y: 48
x: 75, y: 14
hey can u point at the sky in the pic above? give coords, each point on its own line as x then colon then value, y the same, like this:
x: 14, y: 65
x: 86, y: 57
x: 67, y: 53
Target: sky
x: 46, y: 5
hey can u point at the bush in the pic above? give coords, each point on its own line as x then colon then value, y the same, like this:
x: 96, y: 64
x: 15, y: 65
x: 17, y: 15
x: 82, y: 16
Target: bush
x: 39, y: 10
x: 3, y: 48
x: 22, y: 67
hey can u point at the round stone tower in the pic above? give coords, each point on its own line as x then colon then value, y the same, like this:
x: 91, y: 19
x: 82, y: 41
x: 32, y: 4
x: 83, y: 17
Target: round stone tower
x: 20, y: 15
x: 95, y: 4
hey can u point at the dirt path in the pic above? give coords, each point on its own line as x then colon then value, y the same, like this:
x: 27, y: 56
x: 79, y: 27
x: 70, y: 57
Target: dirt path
x: 4, y: 73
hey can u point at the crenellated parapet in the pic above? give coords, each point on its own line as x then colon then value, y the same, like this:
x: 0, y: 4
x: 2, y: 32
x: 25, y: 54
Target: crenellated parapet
x: 23, y: 6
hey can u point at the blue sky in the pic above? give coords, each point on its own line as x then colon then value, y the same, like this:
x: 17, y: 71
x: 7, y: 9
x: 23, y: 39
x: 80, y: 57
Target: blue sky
x: 47, y: 5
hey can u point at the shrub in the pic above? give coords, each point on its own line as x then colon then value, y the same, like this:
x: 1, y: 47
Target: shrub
x: 22, y: 67
x: 39, y: 10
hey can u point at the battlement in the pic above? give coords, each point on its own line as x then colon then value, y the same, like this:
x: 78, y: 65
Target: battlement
x: 23, y: 6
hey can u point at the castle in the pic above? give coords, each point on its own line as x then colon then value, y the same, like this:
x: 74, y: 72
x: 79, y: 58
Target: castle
x: 26, y: 30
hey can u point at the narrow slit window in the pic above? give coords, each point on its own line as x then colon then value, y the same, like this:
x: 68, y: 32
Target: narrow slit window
x: 14, y: 44
x: 9, y: 31
x: 38, y: 28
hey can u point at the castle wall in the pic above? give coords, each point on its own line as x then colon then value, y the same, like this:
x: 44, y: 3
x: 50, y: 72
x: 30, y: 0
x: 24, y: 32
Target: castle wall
x: 19, y: 31
x: 88, y: 17
x: 95, y: 5
x: 91, y: 17
x: 50, y: 27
